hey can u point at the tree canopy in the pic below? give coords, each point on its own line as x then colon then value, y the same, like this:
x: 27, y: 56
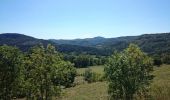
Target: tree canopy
x: 128, y: 73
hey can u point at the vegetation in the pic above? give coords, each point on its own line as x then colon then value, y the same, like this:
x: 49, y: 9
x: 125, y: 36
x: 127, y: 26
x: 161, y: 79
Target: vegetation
x: 90, y: 76
x: 10, y: 71
x: 128, y: 73
x: 96, y: 69
x: 38, y: 71
x: 82, y: 60
x: 152, y: 44
x: 98, y: 90
x: 38, y: 74
x: 92, y: 91
x: 160, y: 88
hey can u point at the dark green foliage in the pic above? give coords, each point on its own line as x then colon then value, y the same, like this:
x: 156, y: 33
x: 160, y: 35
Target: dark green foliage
x: 78, y: 49
x: 10, y: 72
x: 83, y: 42
x: 82, y: 60
x: 128, y: 73
x: 157, y: 60
x: 165, y: 58
x: 24, y: 43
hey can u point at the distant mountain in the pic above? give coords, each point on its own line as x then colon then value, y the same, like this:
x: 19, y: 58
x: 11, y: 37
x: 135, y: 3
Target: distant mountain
x: 149, y: 43
x: 83, y: 42
x: 21, y: 41
x: 25, y: 42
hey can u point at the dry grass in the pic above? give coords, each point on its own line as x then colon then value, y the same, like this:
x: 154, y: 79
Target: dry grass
x: 160, y: 88
x: 93, y: 91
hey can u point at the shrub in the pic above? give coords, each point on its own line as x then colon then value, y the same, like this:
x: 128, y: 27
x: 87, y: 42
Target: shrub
x: 90, y: 76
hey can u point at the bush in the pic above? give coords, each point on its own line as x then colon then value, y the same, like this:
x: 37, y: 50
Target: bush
x: 90, y: 76
x: 157, y: 62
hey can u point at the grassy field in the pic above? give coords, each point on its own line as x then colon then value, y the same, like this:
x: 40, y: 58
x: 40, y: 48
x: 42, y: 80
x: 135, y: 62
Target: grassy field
x: 93, y: 91
x: 160, y: 88
x: 97, y: 69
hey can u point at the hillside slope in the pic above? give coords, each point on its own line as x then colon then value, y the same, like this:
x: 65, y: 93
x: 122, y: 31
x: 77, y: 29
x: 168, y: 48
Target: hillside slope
x: 24, y: 42
x: 149, y: 43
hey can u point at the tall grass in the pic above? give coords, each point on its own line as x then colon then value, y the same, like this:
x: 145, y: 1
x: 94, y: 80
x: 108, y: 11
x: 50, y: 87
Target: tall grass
x: 161, y: 91
x: 160, y: 88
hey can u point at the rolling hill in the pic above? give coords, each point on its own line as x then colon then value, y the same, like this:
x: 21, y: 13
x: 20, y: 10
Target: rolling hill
x: 149, y: 43
x: 83, y: 42
x: 24, y: 42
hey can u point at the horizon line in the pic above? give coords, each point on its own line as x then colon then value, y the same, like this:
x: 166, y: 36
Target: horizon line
x: 84, y: 37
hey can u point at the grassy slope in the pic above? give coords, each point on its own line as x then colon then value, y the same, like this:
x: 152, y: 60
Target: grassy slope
x: 160, y: 87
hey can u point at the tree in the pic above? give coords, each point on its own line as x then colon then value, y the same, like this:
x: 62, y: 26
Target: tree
x: 10, y: 71
x: 42, y: 67
x: 34, y: 72
x: 64, y: 74
x: 128, y: 73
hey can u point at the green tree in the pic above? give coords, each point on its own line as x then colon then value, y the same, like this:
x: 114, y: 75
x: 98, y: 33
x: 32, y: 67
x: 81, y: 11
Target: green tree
x: 39, y: 66
x: 128, y: 73
x: 64, y: 74
x: 34, y: 68
x: 10, y: 72
x: 43, y: 67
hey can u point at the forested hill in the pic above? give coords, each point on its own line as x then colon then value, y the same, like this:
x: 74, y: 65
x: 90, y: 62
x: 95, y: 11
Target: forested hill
x: 25, y: 42
x: 22, y: 41
x: 83, y: 42
x: 150, y: 43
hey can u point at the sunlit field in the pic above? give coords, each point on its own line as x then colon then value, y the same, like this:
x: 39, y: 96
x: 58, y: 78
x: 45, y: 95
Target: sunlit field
x: 160, y: 88
x: 97, y: 69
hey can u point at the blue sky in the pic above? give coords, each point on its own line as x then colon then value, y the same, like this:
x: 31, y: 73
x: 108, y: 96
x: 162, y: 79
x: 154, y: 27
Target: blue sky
x: 69, y: 19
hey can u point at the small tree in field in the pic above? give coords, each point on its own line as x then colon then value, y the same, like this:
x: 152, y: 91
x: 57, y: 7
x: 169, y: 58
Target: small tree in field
x: 128, y: 73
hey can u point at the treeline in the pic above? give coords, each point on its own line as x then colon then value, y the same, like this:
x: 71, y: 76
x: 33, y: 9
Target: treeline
x: 161, y: 59
x: 37, y: 74
x: 85, y: 60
